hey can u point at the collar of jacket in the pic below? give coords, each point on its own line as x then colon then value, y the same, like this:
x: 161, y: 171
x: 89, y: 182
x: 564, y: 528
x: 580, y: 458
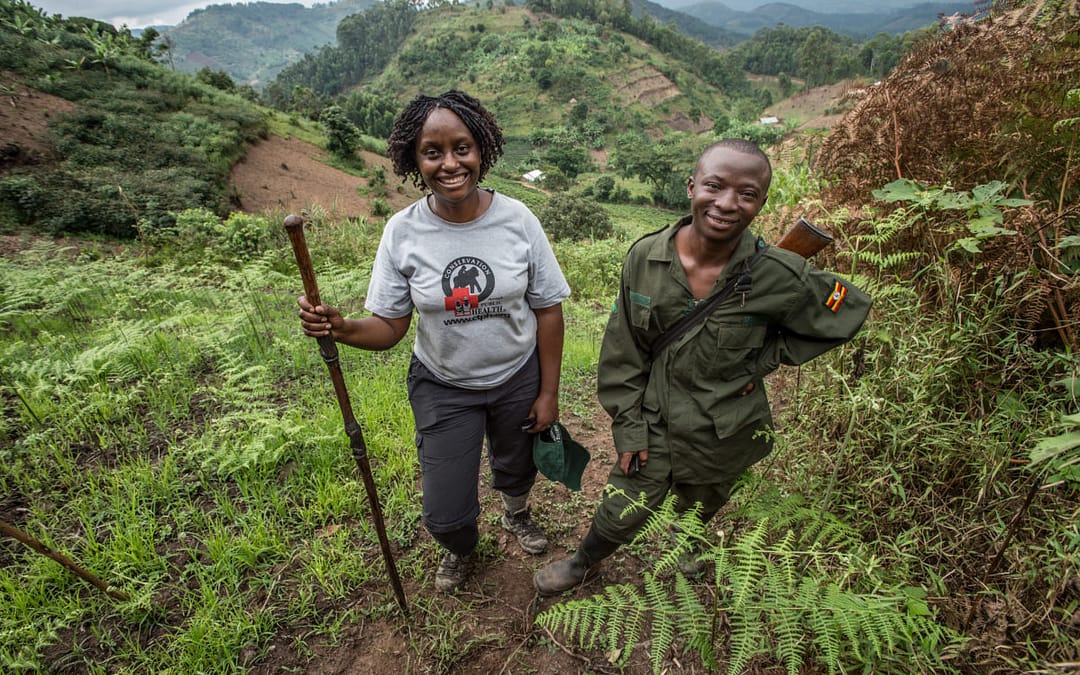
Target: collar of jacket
x: 662, y: 247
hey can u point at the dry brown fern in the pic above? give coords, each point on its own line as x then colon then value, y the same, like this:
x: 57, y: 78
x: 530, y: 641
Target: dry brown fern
x: 970, y: 105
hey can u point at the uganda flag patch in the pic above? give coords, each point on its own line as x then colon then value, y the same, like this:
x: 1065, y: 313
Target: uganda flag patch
x: 836, y: 298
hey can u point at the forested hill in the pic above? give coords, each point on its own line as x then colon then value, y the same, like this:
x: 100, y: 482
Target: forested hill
x: 532, y: 66
x: 253, y: 41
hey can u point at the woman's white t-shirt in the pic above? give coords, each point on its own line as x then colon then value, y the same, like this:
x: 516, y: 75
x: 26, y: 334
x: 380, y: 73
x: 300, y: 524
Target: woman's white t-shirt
x: 474, y: 286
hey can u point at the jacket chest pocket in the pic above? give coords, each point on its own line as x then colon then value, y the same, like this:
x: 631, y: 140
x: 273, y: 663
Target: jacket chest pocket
x: 727, y: 350
x: 640, y: 312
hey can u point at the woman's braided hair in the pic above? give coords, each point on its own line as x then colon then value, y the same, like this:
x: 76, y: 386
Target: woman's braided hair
x: 401, y: 146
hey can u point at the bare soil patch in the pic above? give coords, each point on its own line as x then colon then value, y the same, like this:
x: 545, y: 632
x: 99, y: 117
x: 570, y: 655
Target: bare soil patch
x: 818, y: 108
x: 288, y: 174
x: 24, y: 118
x: 277, y: 174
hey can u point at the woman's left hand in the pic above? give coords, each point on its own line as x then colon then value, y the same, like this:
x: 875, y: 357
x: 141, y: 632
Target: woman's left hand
x: 544, y: 413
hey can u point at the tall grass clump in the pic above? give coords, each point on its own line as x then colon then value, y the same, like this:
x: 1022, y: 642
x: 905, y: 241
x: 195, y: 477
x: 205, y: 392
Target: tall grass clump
x: 164, y: 425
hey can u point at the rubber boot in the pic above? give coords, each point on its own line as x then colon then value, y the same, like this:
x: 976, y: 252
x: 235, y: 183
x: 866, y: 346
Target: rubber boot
x: 564, y: 574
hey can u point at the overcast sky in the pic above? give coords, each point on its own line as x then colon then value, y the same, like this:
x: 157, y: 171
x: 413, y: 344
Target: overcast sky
x: 136, y: 13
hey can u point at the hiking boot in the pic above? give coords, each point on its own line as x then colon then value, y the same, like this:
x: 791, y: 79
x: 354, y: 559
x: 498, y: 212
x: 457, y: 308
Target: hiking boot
x: 691, y: 564
x: 562, y: 575
x: 529, y: 535
x: 452, y: 571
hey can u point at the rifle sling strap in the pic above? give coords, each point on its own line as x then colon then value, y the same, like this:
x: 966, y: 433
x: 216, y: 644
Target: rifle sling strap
x: 738, y: 283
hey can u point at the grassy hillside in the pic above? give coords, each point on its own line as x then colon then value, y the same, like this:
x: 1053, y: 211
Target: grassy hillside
x: 129, y: 142
x: 533, y: 70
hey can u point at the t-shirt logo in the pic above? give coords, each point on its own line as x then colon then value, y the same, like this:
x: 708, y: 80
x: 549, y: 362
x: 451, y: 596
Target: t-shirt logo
x: 466, y: 281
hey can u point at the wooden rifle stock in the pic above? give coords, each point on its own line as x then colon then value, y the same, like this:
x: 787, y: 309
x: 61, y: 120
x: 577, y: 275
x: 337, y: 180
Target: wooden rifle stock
x: 804, y: 238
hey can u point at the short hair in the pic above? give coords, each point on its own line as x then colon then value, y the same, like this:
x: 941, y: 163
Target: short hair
x: 401, y: 146
x: 738, y: 145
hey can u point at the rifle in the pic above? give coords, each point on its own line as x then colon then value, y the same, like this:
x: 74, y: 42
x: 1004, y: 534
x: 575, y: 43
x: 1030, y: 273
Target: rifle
x: 294, y: 226
x: 803, y: 238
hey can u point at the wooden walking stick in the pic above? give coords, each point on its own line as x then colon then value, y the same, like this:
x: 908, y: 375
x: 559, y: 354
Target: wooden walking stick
x: 294, y: 225
x: 12, y: 531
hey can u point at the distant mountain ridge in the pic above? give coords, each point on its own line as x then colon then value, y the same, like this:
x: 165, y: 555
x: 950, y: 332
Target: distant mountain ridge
x: 253, y: 42
x: 818, y: 6
x: 711, y: 34
x: 859, y: 23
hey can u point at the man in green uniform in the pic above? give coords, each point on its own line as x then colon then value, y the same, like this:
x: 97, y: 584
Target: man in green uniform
x: 695, y: 415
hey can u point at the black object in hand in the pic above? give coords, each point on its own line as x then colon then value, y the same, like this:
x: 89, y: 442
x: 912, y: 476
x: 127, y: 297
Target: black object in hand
x: 635, y: 465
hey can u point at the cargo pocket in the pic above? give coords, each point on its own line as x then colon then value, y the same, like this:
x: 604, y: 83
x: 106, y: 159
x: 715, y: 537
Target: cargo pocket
x: 728, y: 351
x: 744, y: 429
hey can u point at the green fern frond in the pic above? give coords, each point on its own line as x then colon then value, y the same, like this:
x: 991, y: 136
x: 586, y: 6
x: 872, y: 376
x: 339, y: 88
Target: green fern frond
x: 624, y: 629
x: 826, y: 634
x: 781, y: 591
x: 663, y: 620
x: 746, y: 576
x: 658, y: 524
x: 785, y: 564
x: 790, y: 637
x: 747, y: 640
x: 845, y: 612
x: 693, y: 618
x: 591, y: 619
x: 633, y: 505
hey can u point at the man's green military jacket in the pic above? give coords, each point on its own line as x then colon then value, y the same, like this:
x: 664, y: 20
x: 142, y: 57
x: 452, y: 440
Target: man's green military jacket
x: 792, y: 313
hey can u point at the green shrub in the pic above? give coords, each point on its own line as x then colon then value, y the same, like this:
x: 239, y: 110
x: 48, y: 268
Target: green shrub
x: 567, y: 216
x: 196, y: 228
x: 244, y: 235
x: 22, y: 195
x: 380, y: 208
x: 604, y: 187
x: 342, y: 136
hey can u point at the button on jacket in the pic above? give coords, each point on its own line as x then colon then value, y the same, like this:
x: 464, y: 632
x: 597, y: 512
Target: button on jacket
x: 792, y: 313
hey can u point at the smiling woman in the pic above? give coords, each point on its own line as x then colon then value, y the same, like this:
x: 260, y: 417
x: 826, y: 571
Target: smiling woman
x: 487, y: 290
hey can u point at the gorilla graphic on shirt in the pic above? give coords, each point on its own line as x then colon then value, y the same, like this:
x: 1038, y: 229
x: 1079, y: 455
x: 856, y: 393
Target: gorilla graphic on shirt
x: 466, y: 282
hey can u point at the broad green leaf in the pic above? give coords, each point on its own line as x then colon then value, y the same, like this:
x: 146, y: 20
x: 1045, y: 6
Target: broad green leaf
x: 969, y: 244
x: 953, y: 200
x: 902, y: 190
x: 1048, y: 448
x: 987, y: 191
x: 1072, y: 384
x: 1071, y: 241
